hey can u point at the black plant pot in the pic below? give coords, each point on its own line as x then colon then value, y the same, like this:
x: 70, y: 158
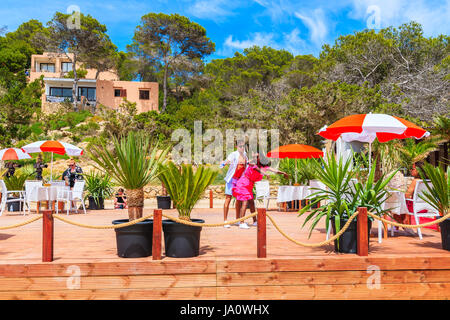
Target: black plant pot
x: 164, y: 202
x: 15, y: 206
x: 348, y: 241
x: 180, y: 240
x: 445, y: 234
x: 93, y: 205
x: 134, y: 241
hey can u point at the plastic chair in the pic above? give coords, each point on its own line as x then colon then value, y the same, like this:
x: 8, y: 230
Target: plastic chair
x: 76, y: 194
x: 262, y: 189
x: 419, y: 205
x: 5, y: 194
x: 31, y: 192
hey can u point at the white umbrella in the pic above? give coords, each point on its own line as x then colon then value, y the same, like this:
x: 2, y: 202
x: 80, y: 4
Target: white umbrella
x: 53, y: 146
x: 368, y: 127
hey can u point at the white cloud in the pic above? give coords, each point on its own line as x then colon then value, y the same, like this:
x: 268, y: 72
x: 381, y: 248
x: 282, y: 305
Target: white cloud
x: 316, y: 24
x: 215, y: 10
x: 290, y: 41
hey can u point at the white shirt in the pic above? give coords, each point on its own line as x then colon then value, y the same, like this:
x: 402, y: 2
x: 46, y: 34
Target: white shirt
x: 233, y: 158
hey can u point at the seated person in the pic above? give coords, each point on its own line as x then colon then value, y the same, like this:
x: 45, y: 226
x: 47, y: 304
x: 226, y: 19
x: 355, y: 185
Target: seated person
x: 120, y: 202
x: 72, y: 173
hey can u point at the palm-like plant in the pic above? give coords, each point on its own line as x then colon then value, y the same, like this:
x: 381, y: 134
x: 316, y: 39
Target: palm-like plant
x: 342, y: 195
x: 184, y: 186
x: 98, y: 186
x: 16, y: 182
x: 133, y: 163
x: 438, y: 187
x: 336, y: 176
x: 412, y: 152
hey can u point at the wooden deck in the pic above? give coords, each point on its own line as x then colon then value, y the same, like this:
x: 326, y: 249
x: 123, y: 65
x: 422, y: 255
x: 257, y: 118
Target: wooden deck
x: 86, y: 265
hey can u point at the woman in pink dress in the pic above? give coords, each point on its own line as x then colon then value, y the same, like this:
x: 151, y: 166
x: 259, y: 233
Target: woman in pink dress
x: 243, y: 190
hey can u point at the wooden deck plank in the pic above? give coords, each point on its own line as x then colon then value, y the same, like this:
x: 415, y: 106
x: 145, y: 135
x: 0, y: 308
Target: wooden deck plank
x: 402, y: 291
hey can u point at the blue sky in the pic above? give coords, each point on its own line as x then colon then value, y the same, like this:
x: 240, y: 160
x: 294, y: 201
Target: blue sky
x: 301, y: 27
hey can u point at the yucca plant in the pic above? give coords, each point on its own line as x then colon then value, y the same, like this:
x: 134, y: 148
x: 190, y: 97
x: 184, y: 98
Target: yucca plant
x: 16, y: 182
x: 184, y: 186
x: 132, y: 163
x: 337, y: 176
x: 98, y: 186
x: 343, y: 194
x: 437, y: 194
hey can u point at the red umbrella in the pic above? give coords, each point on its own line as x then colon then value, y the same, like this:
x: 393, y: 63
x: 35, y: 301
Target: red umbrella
x: 295, y: 151
x: 368, y: 127
x: 13, y: 154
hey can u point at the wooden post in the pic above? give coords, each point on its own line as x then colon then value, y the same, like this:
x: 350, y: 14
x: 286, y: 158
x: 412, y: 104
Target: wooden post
x: 362, y: 232
x: 210, y: 199
x: 261, y: 240
x: 47, y: 236
x: 157, y: 234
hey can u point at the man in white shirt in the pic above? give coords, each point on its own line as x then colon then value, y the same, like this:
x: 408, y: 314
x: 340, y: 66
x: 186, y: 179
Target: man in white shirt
x: 237, y: 161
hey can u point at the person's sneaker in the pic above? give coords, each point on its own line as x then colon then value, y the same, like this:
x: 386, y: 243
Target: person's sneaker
x: 226, y: 225
x: 255, y: 224
x: 244, y: 226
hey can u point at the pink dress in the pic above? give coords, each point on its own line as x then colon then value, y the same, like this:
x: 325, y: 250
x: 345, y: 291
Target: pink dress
x: 244, y: 186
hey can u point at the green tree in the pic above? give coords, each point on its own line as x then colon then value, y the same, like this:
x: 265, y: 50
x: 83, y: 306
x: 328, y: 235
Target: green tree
x: 163, y: 39
x: 83, y: 43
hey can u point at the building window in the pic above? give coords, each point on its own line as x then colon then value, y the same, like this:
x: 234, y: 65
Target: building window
x: 61, y: 92
x: 47, y: 67
x: 66, y: 66
x: 120, y: 93
x: 144, y: 94
x: 87, y: 92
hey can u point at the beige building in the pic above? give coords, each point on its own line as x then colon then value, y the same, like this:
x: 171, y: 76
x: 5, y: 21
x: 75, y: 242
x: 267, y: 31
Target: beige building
x: 106, y: 89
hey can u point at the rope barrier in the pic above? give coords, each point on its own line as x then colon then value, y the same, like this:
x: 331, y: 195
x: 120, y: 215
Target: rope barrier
x: 319, y: 244
x: 196, y: 224
x: 117, y: 226
x: 427, y: 224
x: 22, y: 223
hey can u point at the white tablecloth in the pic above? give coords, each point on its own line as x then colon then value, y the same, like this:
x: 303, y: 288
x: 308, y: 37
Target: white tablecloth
x: 396, y: 203
x: 290, y: 193
x: 49, y: 193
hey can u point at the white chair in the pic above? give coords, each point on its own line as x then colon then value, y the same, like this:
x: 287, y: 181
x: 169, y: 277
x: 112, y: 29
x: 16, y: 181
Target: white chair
x: 419, y: 204
x: 262, y: 189
x: 5, y: 194
x: 31, y: 192
x: 72, y: 196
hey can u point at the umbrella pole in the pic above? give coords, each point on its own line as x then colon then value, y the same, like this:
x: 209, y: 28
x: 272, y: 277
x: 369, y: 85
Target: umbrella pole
x: 370, y: 156
x: 51, y: 170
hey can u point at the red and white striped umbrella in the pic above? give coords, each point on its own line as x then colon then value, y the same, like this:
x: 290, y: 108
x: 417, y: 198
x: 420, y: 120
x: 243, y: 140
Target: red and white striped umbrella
x: 13, y: 154
x: 53, y: 146
x: 367, y: 127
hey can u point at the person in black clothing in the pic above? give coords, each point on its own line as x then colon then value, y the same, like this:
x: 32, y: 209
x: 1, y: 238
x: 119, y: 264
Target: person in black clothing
x: 11, y: 166
x: 39, y: 166
x: 121, y: 200
x: 72, y: 173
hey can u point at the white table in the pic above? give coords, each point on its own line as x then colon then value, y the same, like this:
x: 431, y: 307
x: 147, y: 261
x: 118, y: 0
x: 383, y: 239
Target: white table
x: 49, y: 193
x: 291, y: 193
x: 396, y: 202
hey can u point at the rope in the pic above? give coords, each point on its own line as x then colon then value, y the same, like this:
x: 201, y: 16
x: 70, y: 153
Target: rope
x: 319, y: 244
x: 196, y: 224
x: 117, y: 226
x: 22, y: 223
x: 410, y: 225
